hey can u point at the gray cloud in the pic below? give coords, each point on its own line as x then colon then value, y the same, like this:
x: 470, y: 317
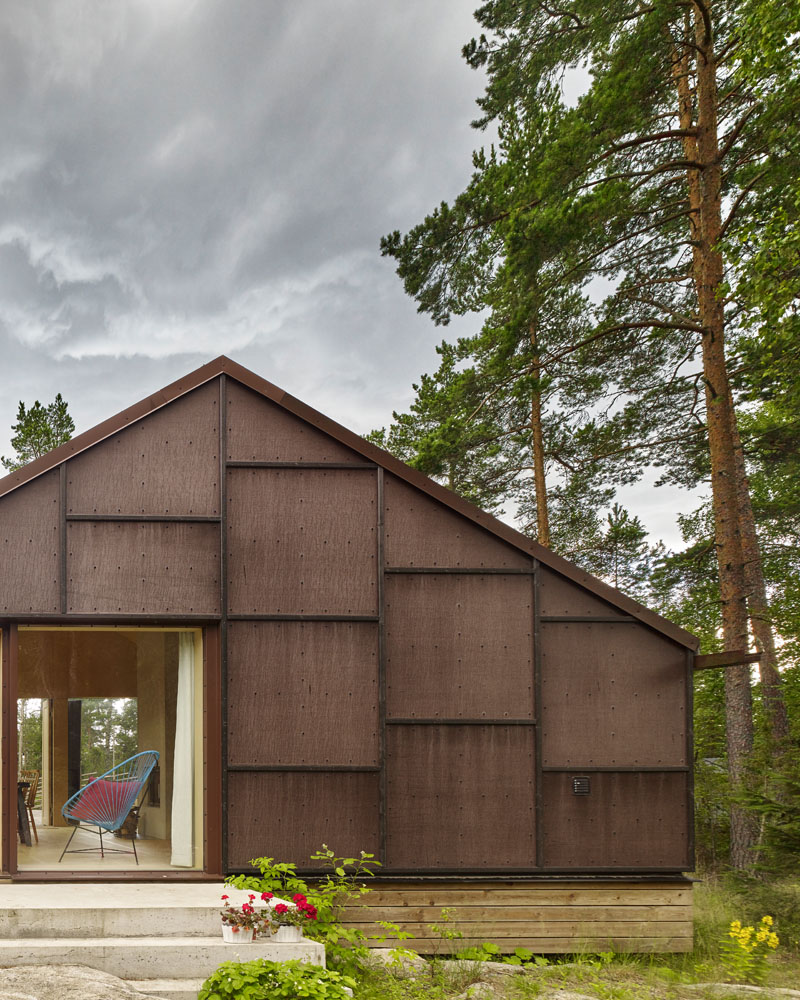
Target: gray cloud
x: 181, y: 179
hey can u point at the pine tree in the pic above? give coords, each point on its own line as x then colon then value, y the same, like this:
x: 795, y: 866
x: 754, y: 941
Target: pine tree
x: 38, y: 430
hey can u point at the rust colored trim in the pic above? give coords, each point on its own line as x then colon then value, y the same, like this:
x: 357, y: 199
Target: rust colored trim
x: 212, y: 751
x: 9, y: 749
x: 730, y: 658
x: 224, y: 366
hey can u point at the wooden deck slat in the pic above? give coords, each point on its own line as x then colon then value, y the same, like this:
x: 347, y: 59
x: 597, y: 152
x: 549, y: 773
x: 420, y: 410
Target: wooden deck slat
x: 551, y: 896
x: 545, y: 917
x: 578, y: 928
x: 533, y: 912
x: 565, y: 945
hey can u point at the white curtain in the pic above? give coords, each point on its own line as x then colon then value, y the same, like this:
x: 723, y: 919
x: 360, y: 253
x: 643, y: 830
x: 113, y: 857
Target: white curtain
x: 183, y: 763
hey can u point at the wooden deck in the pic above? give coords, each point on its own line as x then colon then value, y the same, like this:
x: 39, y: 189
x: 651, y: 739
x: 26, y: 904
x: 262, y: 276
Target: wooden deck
x: 547, y: 917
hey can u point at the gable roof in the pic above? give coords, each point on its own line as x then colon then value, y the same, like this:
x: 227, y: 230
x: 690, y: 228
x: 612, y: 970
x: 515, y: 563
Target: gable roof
x: 371, y: 452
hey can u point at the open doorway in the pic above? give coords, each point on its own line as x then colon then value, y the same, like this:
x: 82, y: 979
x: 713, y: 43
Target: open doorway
x: 87, y: 700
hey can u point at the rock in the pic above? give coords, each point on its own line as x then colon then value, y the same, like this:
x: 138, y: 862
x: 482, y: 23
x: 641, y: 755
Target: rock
x: 63, y: 982
x: 487, y: 970
x: 400, y: 962
x: 478, y: 991
x: 740, y: 989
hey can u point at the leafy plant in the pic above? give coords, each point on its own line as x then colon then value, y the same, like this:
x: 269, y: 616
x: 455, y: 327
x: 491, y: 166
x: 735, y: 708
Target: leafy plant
x: 744, y: 951
x: 489, y: 952
x: 263, y: 979
x: 341, y: 885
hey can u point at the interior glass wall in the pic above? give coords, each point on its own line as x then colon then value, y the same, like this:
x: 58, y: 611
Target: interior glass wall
x: 89, y: 699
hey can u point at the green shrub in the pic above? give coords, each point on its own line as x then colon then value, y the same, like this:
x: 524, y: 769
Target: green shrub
x: 341, y: 885
x: 264, y: 980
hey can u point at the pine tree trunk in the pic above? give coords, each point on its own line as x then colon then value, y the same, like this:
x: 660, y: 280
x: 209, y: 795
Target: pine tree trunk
x: 760, y: 618
x: 537, y: 449
x: 721, y: 435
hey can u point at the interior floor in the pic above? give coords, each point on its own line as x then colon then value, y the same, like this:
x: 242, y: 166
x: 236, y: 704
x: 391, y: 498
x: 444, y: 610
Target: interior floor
x: 154, y: 855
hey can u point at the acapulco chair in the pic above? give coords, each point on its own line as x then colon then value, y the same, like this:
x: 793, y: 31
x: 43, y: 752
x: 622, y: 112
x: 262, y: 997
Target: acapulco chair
x: 106, y: 801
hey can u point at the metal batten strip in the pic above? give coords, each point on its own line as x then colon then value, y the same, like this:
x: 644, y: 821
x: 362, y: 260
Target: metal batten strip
x: 383, y: 810
x: 617, y: 769
x: 537, y: 714
x: 459, y: 570
x: 62, y: 537
x: 600, y: 619
x: 323, y: 768
x: 689, y: 722
x: 461, y: 722
x: 223, y: 593
x: 301, y: 465
x: 165, y: 518
x: 303, y: 618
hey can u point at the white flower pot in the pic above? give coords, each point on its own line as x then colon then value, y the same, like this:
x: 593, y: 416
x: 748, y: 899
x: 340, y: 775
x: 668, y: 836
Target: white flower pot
x: 236, y: 935
x: 288, y: 934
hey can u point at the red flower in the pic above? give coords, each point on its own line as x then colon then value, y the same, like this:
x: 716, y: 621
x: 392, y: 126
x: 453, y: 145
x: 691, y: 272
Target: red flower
x: 267, y: 895
x: 281, y: 908
x: 225, y: 897
x: 310, y: 912
x: 299, y: 898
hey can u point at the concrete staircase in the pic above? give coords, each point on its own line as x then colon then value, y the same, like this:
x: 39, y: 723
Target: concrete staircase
x: 162, y: 939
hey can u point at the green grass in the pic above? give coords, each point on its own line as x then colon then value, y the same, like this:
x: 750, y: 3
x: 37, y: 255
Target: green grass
x: 634, y: 977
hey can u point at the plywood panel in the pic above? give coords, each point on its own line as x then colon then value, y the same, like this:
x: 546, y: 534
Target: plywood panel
x: 560, y: 596
x: 422, y: 532
x: 460, y: 797
x: 261, y: 431
x: 29, y: 547
x: 291, y: 815
x: 302, y: 541
x: 612, y: 695
x: 628, y: 820
x: 303, y: 693
x: 167, y: 463
x: 459, y: 646
x: 60, y: 663
x: 146, y: 567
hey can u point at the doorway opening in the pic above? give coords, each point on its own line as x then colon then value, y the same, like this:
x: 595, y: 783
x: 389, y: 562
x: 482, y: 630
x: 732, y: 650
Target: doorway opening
x: 89, y: 699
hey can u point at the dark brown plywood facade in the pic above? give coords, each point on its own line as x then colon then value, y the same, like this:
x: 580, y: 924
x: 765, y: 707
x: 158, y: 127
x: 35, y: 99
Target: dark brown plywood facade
x: 627, y: 821
x: 560, y: 597
x: 612, y: 695
x: 461, y: 797
x: 142, y: 567
x: 31, y: 542
x: 303, y: 693
x: 392, y: 670
x: 439, y: 664
x: 302, y: 541
x: 421, y: 532
x: 260, y: 431
x: 292, y: 815
x: 167, y: 463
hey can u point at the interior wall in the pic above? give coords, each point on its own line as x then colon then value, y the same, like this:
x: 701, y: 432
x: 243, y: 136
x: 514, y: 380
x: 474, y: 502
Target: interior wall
x: 157, y: 672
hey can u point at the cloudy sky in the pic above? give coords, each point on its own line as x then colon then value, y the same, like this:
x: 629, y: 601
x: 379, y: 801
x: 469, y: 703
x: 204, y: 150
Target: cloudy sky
x: 181, y: 179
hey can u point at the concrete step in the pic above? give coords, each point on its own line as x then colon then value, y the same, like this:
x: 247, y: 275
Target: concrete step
x: 169, y: 989
x: 151, y: 957
x: 99, y: 910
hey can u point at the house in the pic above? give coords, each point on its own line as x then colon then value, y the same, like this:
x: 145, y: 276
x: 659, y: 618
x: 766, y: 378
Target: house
x: 325, y: 646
